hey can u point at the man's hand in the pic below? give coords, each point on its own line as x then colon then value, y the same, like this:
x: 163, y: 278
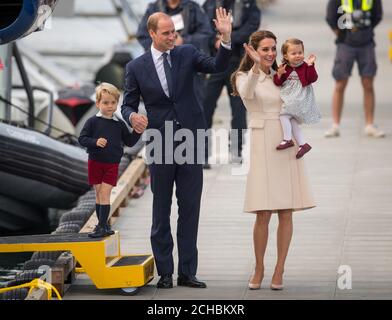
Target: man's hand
x: 217, y: 43
x: 101, y: 142
x: 223, y: 23
x: 139, y: 122
x: 311, y: 59
x: 179, y: 40
x: 281, y: 70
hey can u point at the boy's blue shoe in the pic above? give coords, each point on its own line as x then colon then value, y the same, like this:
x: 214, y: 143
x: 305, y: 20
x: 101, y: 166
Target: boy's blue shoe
x: 98, y: 232
x: 108, y: 230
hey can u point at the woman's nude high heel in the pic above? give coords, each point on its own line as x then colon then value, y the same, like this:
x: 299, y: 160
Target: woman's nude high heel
x: 255, y: 286
x: 276, y: 286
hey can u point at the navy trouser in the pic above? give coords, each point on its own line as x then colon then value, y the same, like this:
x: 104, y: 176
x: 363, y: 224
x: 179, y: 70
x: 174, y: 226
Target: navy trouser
x: 188, y: 179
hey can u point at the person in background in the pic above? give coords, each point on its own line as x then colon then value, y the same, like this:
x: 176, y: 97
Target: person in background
x: 192, y: 27
x: 246, y: 20
x: 353, y: 22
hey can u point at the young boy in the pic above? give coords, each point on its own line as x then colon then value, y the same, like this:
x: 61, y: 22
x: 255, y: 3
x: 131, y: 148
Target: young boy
x: 103, y: 135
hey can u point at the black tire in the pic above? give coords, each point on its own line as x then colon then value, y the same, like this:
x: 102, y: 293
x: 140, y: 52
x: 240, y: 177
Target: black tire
x: 13, y: 283
x: 17, y: 294
x: 88, y: 194
x: 80, y: 214
x: 62, y: 231
x: 131, y: 291
x: 84, y: 210
x: 78, y: 222
x: 50, y: 255
x: 85, y: 207
x: 88, y: 197
x: 68, y: 228
x: 29, y: 275
x: 35, y: 264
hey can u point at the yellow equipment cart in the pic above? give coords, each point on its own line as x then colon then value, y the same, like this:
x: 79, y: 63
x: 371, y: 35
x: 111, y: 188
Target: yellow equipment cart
x: 100, y: 259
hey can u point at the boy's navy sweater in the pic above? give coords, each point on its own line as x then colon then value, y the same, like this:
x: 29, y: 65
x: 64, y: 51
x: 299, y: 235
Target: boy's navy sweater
x: 115, y: 132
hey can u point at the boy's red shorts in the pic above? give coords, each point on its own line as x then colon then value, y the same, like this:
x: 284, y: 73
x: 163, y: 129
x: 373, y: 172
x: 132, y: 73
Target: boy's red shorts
x: 99, y: 172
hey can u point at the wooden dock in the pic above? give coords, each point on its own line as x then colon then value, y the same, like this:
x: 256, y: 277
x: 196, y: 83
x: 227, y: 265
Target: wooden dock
x: 352, y: 183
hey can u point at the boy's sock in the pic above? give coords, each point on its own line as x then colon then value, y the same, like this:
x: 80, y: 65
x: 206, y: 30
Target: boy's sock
x: 97, y: 209
x: 104, y: 215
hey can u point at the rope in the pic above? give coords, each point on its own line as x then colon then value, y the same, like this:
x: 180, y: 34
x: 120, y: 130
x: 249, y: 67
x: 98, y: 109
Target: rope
x: 36, y: 283
x: 35, y: 118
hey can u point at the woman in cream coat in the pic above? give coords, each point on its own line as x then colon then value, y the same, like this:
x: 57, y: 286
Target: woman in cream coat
x: 277, y: 181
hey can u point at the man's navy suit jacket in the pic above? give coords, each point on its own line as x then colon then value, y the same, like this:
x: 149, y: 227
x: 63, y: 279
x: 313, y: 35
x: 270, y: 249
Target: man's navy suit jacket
x: 141, y: 81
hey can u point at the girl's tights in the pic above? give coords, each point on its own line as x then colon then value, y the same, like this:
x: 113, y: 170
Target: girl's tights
x: 291, y: 128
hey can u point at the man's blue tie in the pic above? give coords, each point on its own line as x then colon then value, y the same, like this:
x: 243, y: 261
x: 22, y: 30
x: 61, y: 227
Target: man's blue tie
x: 168, y: 73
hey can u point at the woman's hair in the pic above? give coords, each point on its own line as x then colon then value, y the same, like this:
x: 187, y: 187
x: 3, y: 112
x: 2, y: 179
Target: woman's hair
x: 286, y: 45
x: 105, y: 87
x: 246, y: 62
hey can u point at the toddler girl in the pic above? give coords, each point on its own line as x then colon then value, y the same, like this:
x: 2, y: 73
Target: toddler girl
x: 295, y: 77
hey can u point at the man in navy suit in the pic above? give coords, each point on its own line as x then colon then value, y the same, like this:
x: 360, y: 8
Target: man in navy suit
x: 163, y: 78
